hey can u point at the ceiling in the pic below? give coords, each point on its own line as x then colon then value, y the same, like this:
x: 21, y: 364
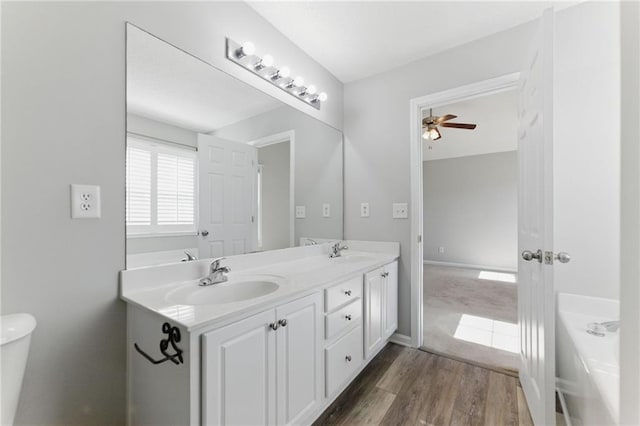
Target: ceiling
x: 497, y: 119
x: 171, y: 86
x: 357, y: 39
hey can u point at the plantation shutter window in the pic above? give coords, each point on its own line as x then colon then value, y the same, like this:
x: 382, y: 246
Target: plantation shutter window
x: 161, y: 189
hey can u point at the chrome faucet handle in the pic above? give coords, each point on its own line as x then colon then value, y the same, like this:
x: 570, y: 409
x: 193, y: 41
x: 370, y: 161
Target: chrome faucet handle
x: 312, y: 241
x: 215, y: 263
x: 611, y: 325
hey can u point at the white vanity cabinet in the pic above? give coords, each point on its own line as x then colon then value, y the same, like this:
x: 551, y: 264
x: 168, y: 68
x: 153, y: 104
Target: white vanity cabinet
x: 265, y: 369
x: 281, y: 361
x: 380, y: 307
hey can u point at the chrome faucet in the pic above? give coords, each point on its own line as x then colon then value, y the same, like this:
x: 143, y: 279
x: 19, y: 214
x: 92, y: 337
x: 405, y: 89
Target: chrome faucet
x: 216, y: 273
x: 336, y: 250
x: 190, y: 257
x: 599, y: 328
x: 312, y: 242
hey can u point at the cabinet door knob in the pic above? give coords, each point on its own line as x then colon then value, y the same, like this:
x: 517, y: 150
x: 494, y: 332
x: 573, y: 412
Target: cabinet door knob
x: 347, y: 292
x: 348, y: 358
x: 283, y: 322
x: 274, y: 326
x: 384, y: 274
x: 348, y: 317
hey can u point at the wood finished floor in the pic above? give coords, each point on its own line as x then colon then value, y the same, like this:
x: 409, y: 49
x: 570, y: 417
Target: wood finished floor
x: 404, y: 386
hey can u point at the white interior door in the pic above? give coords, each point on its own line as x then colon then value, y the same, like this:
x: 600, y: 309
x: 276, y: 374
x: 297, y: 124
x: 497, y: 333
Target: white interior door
x: 227, y: 172
x: 536, y: 311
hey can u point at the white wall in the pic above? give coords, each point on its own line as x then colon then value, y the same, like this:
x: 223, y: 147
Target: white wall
x: 471, y: 210
x: 318, y: 166
x: 630, y: 221
x: 63, y: 116
x: 276, y: 214
x: 377, y: 136
x: 586, y: 153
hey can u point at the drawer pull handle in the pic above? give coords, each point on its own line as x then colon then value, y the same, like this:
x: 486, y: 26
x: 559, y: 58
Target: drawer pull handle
x: 384, y: 274
x: 348, y: 358
x: 348, y: 292
x: 274, y: 326
x: 283, y: 322
x: 348, y: 317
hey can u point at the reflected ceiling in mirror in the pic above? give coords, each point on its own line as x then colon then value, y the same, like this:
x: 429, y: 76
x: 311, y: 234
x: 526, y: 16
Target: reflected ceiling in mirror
x: 215, y: 167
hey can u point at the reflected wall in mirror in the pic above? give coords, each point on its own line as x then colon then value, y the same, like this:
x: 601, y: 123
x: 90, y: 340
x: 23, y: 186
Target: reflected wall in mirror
x: 216, y: 167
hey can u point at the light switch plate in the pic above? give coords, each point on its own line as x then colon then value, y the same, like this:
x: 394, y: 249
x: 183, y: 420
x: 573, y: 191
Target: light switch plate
x: 85, y: 201
x: 364, y: 209
x: 400, y: 210
x: 326, y: 210
x: 301, y: 212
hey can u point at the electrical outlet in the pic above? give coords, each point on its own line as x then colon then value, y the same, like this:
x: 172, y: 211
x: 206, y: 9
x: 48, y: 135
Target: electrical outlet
x: 301, y: 212
x: 326, y: 210
x: 85, y: 201
x: 364, y: 209
x: 400, y: 210
x: 441, y: 250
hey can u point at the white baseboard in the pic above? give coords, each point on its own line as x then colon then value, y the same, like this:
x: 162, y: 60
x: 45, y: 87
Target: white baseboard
x: 401, y: 339
x: 469, y: 266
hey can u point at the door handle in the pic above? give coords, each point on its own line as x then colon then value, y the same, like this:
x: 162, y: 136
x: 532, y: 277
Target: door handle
x: 529, y: 256
x: 204, y: 233
x: 562, y: 257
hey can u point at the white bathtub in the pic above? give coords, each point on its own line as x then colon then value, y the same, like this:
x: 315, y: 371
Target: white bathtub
x: 587, y: 366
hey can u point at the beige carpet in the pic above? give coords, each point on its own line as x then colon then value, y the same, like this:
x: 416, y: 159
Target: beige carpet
x: 471, y: 318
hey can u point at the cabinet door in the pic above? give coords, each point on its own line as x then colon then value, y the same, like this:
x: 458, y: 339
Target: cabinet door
x: 391, y: 302
x: 239, y: 366
x: 374, y: 296
x: 300, y: 368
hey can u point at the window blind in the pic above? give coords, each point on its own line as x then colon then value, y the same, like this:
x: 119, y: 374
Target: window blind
x: 161, y: 188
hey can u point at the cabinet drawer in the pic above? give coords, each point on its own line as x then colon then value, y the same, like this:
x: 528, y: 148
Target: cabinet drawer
x: 342, y: 359
x: 342, y: 293
x: 342, y: 318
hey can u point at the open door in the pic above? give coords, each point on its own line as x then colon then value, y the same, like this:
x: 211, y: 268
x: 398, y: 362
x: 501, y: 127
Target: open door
x: 536, y: 310
x: 227, y: 176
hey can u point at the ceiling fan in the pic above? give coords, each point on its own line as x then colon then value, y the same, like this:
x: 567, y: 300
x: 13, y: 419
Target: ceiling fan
x: 430, y: 125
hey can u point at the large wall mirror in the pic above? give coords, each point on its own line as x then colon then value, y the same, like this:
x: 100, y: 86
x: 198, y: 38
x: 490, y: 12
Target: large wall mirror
x: 216, y: 167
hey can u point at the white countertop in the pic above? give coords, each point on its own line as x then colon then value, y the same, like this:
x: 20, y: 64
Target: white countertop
x: 299, y: 271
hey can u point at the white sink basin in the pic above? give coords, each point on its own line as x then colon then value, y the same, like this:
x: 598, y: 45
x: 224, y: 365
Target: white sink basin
x: 352, y: 258
x: 237, y: 289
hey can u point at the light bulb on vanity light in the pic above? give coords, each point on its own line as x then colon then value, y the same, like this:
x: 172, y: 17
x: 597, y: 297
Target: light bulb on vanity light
x: 247, y: 49
x: 265, y: 62
x: 281, y: 73
x: 307, y: 90
x: 298, y: 81
x: 319, y: 98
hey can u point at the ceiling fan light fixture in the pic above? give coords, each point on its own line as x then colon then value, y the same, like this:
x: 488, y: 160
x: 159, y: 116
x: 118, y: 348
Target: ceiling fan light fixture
x: 431, y: 133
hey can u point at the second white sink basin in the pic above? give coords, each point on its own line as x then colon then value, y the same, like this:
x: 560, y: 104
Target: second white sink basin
x: 237, y: 289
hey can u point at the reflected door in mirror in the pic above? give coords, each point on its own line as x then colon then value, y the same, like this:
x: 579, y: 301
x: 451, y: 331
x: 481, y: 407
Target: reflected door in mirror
x: 227, y: 194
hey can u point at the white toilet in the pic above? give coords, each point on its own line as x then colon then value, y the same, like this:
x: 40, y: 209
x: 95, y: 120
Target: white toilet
x: 15, y: 337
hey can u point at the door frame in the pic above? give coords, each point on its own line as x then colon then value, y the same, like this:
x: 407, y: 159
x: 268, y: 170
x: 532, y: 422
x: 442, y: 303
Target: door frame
x: 287, y: 136
x: 462, y: 93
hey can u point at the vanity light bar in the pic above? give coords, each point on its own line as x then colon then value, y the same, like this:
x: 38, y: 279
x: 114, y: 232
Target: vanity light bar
x: 243, y: 55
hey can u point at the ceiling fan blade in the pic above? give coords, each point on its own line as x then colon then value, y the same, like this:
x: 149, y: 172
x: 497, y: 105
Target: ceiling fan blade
x: 445, y: 118
x: 459, y: 125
